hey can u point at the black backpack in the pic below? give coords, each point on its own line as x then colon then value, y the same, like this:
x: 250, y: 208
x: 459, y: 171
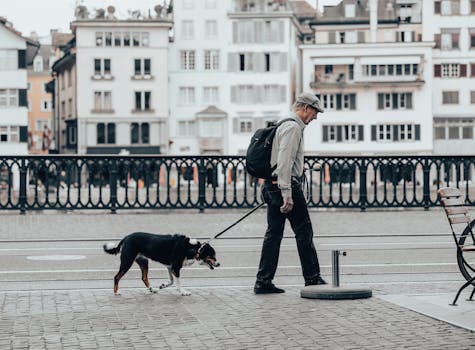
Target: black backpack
x: 259, y: 151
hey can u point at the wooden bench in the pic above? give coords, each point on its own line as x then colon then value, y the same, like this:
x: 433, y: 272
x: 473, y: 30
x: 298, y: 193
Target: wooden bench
x: 462, y: 231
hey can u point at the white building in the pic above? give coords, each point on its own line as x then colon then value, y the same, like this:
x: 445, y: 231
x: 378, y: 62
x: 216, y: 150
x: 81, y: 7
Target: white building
x: 122, y: 82
x: 13, y: 87
x: 373, y: 73
x: 451, y: 24
x: 233, y: 67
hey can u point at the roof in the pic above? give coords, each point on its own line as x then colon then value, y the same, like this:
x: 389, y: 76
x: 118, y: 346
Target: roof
x: 60, y: 39
x: 302, y: 9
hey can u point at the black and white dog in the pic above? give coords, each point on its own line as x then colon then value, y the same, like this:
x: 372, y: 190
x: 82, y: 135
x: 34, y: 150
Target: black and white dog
x: 173, y: 251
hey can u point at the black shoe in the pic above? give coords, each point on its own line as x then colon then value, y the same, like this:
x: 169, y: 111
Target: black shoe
x: 315, y: 281
x: 267, y: 288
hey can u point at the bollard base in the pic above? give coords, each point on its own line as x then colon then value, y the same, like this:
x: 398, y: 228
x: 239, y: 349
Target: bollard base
x: 335, y: 293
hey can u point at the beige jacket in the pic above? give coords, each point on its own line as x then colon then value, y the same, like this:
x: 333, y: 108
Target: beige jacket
x: 287, y: 153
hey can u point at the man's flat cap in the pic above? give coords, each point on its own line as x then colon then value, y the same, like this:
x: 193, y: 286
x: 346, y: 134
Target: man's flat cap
x: 311, y: 100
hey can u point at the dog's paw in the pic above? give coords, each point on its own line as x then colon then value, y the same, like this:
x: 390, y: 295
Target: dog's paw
x: 184, y: 292
x: 117, y: 294
x: 153, y: 290
x: 165, y: 285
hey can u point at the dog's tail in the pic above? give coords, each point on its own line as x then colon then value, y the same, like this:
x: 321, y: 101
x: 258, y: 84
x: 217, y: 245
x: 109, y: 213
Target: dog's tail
x: 112, y: 248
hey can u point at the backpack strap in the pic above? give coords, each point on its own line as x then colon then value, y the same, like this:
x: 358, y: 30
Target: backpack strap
x: 285, y: 120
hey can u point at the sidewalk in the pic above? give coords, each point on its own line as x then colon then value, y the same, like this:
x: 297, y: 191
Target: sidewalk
x: 228, y: 317
x: 222, y: 318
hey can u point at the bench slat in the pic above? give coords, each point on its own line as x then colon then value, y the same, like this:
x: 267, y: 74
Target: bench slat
x: 447, y: 202
x: 449, y: 192
x: 459, y: 219
x: 456, y: 210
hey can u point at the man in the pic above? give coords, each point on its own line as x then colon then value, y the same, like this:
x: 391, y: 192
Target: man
x: 285, y: 199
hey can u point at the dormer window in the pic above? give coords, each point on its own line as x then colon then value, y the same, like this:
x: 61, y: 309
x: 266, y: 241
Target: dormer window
x: 350, y: 10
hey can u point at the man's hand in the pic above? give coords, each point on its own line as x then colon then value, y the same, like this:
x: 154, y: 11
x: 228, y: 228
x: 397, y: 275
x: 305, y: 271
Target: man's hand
x: 287, y: 206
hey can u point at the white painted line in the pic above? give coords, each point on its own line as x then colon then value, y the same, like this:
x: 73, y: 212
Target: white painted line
x: 56, y: 257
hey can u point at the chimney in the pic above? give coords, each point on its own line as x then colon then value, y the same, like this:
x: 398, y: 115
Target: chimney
x: 373, y: 19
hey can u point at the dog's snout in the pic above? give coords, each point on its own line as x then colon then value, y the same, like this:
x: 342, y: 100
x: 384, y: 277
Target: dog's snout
x: 217, y: 264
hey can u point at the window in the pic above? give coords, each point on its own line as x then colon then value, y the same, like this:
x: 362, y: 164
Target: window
x: 245, y: 126
x: 102, y: 101
x: 449, y: 7
x: 450, y: 97
x: 395, y: 100
x: 187, y: 59
x: 102, y: 68
x: 105, y: 133
x: 472, y: 36
x: 186, y: 96
x: 139, y: 133
x: 187, y: 4
x: 108, y: 38
x: 46, y: 105
x: 350, y: 10
x: 472, y: 97
x: 9, y: 98
x: 339, y: 101
x: 136, y: 39
x: 449, y: 39
x: 142, y: 67
x: 211, y: 60
x: 395, y: 132
x: 210, y: 95
x: 379, y: 70
x: 243, y: 94
x: 38, y: 64
x: 142, y: 101
x: 186, y: 128
x: 8, y: 60
x: 211, y: 4
x: 246, y: 62
x: 343, y: 133
x: 450, y: 70
x: 144, y: 39
x: 99, y: 38
x: 211, y: 29
x: 453, y: 129
x: 40, y: 124
x: 188, y: 31
x: 10, y: 133
x: 118, y: 39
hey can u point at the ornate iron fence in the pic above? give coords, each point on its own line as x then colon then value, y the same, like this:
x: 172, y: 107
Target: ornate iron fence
x: 146, y: 182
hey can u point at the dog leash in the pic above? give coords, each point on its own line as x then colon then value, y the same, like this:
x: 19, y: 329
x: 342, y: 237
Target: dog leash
x: 237, y: 222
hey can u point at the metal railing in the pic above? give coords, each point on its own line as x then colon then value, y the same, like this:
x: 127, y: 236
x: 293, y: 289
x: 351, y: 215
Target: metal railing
x: 146, y: 182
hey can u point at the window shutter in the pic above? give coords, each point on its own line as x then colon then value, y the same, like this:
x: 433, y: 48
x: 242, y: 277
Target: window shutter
x: 21, y: 59
x: 380, y: 101
x: 373, y: 132
x: 325, y: 133
x: 338, y: 101
x: 463, y: 70
x: 395, y: 100
x: 258, y: 30
x: 258, y: 62
x: 418, y: 132
x: 437, y: 41
x: 360, y: 132
x: 280, y: 32
x: 339, y: 137
x: 455, y: 41
x: 472, y: 69
x: 283, y: 94
x: 233, y: 94
x: 232, y: 62
x: 361, y: 36
x: 409, y: 100
x: 437, y: 7
x: 235, y: 32
x: 258, y: 93
x: 395, y: 132
x: 236, y: 125
x: 22, y: 100
x: 23, y: 133
x: 437, y: 71
x: 283, y: 62
x: 352, y: 101
x: 331, y: 37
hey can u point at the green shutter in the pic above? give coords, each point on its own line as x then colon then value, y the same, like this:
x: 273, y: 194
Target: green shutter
x: 21, y: 59
x: 373, y: 132
x: 325, y: 133
x: 380, y: 101
x: 418, y: 132
x: 360, y: 132
x: 23, y: 133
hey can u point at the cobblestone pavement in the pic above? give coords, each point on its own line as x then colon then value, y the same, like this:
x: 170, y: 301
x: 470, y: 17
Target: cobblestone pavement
x: 218, y: 317
x: 222, y: 318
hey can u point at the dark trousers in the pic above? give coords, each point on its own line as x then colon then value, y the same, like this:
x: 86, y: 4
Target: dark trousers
x: 302, y: 227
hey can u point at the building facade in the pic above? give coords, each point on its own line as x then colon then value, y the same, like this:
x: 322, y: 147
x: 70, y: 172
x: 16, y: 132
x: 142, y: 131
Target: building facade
x: 373, y: 74
x: 13, y: 91
x: 451, y: 25
x: 121, y: 82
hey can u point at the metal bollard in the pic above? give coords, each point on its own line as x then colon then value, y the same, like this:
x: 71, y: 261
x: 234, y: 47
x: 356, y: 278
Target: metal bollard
x: 336, y: 267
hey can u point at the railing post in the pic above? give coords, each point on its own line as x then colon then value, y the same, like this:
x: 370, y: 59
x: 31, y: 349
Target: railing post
x: 201, y: 185
x: 113, y: 186
x: 426, y: 186
x: 363, y: 192
x: 22, y: 195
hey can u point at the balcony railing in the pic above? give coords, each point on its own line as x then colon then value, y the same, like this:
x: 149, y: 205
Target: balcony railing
x: 143, y: 182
